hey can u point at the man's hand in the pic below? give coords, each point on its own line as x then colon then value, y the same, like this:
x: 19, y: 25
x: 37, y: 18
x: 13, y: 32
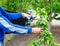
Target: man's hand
x: 25, y: 15
x: 37, y: 30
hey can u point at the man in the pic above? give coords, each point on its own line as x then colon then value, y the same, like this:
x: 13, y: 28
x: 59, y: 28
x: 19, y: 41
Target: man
x: 7, y: 26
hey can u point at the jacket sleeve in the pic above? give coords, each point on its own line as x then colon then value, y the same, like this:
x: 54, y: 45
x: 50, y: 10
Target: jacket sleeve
x: 11, y: 16
x: 7, y: 26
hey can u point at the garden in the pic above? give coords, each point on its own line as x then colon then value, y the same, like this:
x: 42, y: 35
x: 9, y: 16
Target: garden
x: 48, y: 12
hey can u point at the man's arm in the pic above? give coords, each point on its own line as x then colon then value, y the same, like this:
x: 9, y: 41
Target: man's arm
x: 7, y: 26
x: 11, y: 16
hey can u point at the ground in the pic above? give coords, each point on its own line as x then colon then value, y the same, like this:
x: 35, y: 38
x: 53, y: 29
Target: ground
x: 24, y: 39
x: 56, y: 32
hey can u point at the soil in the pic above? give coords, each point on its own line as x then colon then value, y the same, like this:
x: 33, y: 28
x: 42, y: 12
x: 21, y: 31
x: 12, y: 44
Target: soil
x: 56, y: 32
x: 24, y: 39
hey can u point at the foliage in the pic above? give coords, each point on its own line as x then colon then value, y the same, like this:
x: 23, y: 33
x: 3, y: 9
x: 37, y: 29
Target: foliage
x: 46, y: 37
x: 24, y: 5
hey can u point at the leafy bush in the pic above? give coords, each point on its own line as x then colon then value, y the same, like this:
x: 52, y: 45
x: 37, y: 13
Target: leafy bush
x: 46, y: 37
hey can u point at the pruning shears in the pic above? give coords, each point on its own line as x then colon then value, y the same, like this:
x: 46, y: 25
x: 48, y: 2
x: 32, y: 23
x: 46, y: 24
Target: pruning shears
x: 30, y: 20
x: 32, y: 16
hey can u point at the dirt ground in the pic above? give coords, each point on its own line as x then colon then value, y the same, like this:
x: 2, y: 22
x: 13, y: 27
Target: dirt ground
x: 23, y: 40
x: 56, y: 32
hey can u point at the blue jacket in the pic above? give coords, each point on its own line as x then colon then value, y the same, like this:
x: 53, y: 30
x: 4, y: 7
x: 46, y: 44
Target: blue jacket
x: 7, y: 26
